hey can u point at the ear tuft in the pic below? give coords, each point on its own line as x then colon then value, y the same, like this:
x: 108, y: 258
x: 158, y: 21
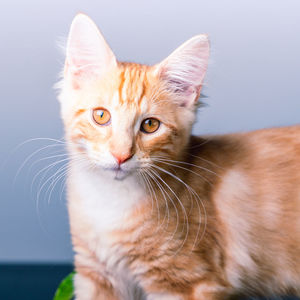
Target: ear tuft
x: 87, y: 51
x: 185, y: 68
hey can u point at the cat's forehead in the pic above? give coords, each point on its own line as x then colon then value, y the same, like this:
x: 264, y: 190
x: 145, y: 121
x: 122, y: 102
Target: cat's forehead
x: 130, y: 86
x: 133, y: 83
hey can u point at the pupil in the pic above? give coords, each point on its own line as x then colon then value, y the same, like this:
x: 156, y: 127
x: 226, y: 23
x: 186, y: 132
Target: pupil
x: 150, y: 123
x: 101, y: 114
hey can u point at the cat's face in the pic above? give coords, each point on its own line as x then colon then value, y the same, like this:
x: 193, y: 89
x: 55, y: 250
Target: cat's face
x: 121, y: 117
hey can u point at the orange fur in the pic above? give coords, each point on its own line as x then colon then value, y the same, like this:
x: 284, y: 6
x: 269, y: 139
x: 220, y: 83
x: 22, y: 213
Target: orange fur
x: 215, y: 216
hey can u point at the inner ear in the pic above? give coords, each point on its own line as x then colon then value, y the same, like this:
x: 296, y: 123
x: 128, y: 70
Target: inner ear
x: 177, y: 85
x: 184, y: 70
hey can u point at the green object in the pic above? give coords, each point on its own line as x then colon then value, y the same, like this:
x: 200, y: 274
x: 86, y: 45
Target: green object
x: 65, y: 290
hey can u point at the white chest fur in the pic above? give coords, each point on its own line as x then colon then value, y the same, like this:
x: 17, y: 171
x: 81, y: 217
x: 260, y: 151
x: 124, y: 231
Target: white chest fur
x: 103, y: 203
x: 104, y: 200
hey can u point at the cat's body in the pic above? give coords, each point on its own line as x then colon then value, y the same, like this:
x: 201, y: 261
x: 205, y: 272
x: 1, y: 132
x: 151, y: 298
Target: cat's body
x: 160, y: 214
x: 251, y: 192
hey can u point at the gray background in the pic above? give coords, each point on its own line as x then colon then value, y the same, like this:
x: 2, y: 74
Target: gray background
x: 253, y: 82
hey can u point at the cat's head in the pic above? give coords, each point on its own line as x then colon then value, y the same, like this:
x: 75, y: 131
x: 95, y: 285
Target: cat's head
x: 122, y: 116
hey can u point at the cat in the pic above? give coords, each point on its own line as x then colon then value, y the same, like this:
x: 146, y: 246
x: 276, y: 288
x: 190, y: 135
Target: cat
x: 156, y: 213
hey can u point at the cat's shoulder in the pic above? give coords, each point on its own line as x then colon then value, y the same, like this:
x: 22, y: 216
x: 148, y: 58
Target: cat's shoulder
x: 247, y: 144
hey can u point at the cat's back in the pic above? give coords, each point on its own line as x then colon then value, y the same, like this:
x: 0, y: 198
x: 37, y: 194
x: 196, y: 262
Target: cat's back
x: 274, y: 142
x: 267, y: 150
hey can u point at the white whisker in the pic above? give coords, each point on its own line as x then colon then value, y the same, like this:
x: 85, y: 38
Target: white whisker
x: 183, y: 168
x: 166, y: 203
x: 30, y: 156
x: 46, y: 169
x: 197, y: 196
x: 176, y: 210
x: 186, y: 221
x: 184, y: 163
x: 146, y: 181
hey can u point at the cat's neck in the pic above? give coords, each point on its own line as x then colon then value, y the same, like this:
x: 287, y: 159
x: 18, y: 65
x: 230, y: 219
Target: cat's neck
x: 105, y: 200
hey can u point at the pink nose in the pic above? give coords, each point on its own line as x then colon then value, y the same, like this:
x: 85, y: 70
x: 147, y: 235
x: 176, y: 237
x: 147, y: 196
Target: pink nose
x: 121, y: 158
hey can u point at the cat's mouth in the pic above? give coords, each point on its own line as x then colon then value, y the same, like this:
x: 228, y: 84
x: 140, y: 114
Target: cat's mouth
x: 118, y: 173
x: 121, y: 174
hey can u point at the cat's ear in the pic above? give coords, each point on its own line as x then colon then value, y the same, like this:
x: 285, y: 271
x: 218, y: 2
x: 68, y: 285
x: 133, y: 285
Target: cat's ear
x: 185, y: 68
x: 87, y: 52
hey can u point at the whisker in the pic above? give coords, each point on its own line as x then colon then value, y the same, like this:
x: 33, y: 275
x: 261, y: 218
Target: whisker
x: 62, y: 188
x: 17, y: 147
x: 150, y: 192
x: 186, y: 221
x: 54, y: 182
x: 46, y: 169
x: 183, y: 168
x: 176, y: 210
x: 57, y: 154
x: 197, y: 196
x: 166, y: 203
x: 201, y: 144
x: 52, y: 165
x: 62, y: 171
x: 184, y: 163
x: 156, y: 201
x: 29, y: 157
x: 205, y: 160
x: 52, y: 176
x: 58, y: 172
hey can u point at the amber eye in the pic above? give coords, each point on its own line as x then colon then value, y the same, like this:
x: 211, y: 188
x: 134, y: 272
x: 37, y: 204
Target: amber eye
x: 101, y: 116
x: 150, y: 125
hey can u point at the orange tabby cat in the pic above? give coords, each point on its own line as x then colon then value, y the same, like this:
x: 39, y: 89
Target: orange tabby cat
x: 157, y: 213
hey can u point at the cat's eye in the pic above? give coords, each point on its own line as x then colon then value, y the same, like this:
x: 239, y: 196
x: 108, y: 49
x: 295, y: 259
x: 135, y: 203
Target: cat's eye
x: 150, y: 125
x: 101, y: 116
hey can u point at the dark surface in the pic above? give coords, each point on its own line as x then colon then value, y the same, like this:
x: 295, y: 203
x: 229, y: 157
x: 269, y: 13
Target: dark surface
x: 31, y: 282
x: 35, y: 282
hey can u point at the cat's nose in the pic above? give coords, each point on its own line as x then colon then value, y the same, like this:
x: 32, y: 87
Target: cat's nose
x: 121, y: 157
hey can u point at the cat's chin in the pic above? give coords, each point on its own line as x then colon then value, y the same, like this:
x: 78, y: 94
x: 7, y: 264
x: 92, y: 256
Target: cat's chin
x: 121, y: 175
x: 117, y: 174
